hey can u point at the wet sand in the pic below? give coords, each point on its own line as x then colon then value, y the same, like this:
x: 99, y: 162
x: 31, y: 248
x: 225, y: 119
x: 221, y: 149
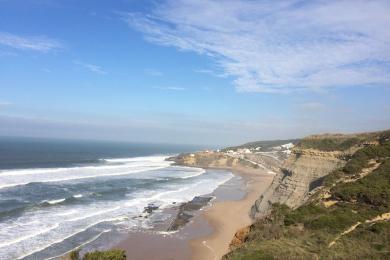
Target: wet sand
x: 228, y: 217
x: 210, y: 231
x: 155, y: 245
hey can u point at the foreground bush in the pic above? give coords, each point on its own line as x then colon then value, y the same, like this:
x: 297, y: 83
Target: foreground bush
x: 113, y: 254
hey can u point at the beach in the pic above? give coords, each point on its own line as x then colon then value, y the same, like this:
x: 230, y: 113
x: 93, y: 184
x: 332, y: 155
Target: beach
x: 227, y: 217
x: 210, y: 231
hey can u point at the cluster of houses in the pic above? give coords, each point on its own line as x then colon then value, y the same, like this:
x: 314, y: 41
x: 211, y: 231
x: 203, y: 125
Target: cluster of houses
x: 285, y: 148
x: 240, y: 152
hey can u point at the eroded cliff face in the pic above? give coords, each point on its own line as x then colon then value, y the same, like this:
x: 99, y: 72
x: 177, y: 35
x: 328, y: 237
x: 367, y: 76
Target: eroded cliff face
x: 206, y: 160
x: 297, y: 177
x: 311, y: 159
x: 294, y: 180
x: 216, y: 160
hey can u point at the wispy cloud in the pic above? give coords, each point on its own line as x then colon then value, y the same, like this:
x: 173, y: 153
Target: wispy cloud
x: 91, y: 67
x: 153, y: 72
x: 171, y: 88
x: 279, y: 46
x: 211, y: 73
x: 34, y: 43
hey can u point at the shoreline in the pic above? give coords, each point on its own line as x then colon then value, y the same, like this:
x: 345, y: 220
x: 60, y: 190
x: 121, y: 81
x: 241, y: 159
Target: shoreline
x: 215, y: 223
x: 228, y: 217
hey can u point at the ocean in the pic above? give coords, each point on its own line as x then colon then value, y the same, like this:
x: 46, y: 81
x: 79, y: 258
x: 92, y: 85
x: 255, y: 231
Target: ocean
x: 58, y: 195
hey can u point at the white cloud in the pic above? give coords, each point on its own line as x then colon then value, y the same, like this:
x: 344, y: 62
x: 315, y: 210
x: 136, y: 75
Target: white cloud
x: 91, y: 67
x: 35, y: 43
x: 279, y: 46
x: 211, y: 73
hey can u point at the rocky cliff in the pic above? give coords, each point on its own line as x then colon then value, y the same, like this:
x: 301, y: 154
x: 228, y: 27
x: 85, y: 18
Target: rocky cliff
x: 292, y: 185
x: 313, y: 158
x: 218, y: 160
x: 206, y: 160
x: 346, y: 217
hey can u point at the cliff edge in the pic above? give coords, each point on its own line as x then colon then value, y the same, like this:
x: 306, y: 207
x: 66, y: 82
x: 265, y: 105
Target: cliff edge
x: 343, y: 215
x: 310, y: 161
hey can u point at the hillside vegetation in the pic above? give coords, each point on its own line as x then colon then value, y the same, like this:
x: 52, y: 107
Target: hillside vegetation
x: 339, y: 142
x: 348, y: 217
x: 113, y: 254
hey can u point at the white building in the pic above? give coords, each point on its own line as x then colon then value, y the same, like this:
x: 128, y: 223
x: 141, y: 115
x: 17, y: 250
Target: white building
x: 287, y: 146
x: 244, y: 150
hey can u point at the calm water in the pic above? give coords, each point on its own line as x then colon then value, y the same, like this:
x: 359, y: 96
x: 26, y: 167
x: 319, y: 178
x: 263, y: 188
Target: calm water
x: 58, y: 195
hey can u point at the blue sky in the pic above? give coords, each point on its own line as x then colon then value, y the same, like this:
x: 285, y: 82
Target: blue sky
x: 208, y: 72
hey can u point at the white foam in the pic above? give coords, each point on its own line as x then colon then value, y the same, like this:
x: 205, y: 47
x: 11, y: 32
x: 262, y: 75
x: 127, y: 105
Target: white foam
x: 167, y: 232
x: 23, y: 224
x: 71, y: 235
x: 52, y: 202
x: 155, y: 158
x: 78, y: 196
x: 142, y: 161
x: 19, y: 239
x: 11, y: 178
x: 39, y: 235
x: 93, y: 214
x: 197, y: 173
x: 66, y: 213
x: 83, y: 244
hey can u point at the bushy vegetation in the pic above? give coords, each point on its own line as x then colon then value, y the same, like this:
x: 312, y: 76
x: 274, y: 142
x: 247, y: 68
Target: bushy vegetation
x: 368, y: 241
x: 374, y: 190
x: 305, y: 233
x: 113, y: 254
x: 361, y: 158
x: 328, y: 144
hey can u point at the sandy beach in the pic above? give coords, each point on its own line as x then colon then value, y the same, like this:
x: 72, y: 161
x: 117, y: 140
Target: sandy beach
x: 228, y: 217
x: 210, y: 232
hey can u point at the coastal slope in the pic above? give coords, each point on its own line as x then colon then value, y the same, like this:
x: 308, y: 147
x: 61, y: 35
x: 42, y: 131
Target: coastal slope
x: 340, y: 214
x: 306, y: 166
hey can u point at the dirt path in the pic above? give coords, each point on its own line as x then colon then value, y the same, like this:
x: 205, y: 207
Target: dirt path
x: 384, y: 216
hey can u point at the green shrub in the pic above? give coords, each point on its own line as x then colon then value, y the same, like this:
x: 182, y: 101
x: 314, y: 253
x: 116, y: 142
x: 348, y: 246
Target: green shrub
x: 334, y: 221
x: 331, y: 178
x: 329, y: 144
x: 302, y: 214
x: 249, y: 255
x: 372, y: 189
x: 113, y: 254
x: 74, y: 255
